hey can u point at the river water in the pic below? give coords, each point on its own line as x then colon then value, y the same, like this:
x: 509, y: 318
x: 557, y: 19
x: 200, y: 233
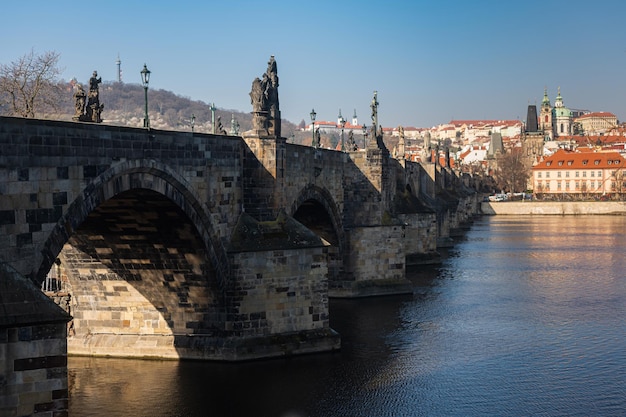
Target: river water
x: 524, y: 317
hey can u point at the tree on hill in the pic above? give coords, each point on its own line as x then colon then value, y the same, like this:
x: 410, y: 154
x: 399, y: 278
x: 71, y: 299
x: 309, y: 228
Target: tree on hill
x: 29, y: 86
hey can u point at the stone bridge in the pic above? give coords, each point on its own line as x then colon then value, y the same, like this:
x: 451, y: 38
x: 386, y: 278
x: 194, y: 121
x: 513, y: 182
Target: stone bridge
x: 173, y: 244
x: 186, y: 245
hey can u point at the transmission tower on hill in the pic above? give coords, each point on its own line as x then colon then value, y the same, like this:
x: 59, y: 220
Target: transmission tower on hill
x: 119, y: 69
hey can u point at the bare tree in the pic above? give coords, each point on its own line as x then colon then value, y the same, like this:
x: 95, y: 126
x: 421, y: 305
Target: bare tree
x: 29, y: 85
x: 511, y: 173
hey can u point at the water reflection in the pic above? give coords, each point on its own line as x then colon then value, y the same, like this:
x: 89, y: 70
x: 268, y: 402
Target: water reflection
x: 524, y: 317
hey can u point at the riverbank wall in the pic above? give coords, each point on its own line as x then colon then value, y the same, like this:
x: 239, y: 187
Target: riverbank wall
x: 553, y: 208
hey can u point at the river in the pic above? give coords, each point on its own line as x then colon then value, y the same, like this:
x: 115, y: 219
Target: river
x: 524, y: 317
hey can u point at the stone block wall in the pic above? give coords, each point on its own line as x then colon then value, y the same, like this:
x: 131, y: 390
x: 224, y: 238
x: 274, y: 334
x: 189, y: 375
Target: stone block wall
x: 420, y: 237
x: 33, y: 370
x: 45, y: 166
x: 377, y: 262
x: 278, y: 291
x: 33, y: 350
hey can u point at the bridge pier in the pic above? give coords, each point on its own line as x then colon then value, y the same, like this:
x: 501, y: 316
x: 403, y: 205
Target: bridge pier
x: 375, y: 263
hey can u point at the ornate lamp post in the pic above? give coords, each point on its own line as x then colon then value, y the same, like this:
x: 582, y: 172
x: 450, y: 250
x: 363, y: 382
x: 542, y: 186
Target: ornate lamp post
x: 313, y: 114
x: 193, y: 121
x: 342, y: 121
x: 212, y: 108
x: 145, y: 79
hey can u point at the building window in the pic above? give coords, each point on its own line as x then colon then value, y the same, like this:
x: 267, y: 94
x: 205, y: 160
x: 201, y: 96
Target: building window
x: 558, y: 174
x: 560, y: 163
x: 593, y: 185
x: 592, y: 172
x: 561, y: 127
x: 567, y: 185
x: 539, y: 174
x: 558, y: 185
x: 567, y: 174
x: 569, y: 162
x: 584, y: 174
x: 548, y: 174
x: 585, y: 161
x: 599, y: 174
x: 578, y: 185
x: 596, y: 162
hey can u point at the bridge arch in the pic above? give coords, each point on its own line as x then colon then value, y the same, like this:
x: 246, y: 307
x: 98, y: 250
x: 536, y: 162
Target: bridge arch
x: 142, y: 262
x: 127, y: 176
x: 316, y: 209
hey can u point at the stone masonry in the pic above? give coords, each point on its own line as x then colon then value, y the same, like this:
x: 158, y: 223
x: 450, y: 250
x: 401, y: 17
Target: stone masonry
x: 184, y: 245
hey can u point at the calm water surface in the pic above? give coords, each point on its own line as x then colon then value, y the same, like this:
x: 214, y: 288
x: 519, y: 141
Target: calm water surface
x: 525, y: 317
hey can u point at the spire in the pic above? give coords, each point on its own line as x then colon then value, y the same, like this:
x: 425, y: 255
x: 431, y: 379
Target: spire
x: 355, y: 121
x: 546, y: 101
x: 559, y: 100
x: 339, y: 117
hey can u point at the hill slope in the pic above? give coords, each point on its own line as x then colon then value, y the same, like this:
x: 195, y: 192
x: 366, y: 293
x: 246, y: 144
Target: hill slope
x: 124, y: 105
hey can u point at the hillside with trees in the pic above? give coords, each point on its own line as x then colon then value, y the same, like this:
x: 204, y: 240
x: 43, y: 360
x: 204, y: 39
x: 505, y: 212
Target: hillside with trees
x: 30, y: 87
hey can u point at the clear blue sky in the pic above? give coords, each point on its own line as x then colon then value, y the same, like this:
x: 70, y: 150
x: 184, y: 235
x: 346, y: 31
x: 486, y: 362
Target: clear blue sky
x: 430, y: 61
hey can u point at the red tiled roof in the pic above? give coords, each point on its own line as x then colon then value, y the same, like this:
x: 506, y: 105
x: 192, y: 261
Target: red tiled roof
x: 563, y: 159
x: 478, y: 123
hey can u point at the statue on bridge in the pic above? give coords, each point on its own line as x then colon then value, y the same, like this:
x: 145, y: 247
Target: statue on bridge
x: 80, y: 99
x: 264, y: 100
x: 90, y: 111
x: 352, y: 146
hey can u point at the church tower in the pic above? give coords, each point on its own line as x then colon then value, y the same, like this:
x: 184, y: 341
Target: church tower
x: 545, y: 116
x: 355, y: 121
x: 561, y: 117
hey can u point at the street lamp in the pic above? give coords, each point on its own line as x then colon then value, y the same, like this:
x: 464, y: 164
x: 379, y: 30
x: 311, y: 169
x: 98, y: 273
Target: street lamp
x: 313, y: 114
x: 193, y: 121
x: 342, y: 121
x: 145, y: 79
x: 212, y: 108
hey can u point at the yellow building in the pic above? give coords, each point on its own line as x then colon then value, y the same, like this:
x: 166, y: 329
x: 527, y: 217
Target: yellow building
x: 585, y: 173
x: 597, y: 122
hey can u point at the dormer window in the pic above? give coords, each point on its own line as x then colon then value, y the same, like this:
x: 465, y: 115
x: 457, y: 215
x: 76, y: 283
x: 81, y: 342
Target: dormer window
x: 548, y: 163
x: 569, y: 162
x: 596, y: 162
x: 560, y: 163
x: 609, y: 162
x: 585, y: 161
